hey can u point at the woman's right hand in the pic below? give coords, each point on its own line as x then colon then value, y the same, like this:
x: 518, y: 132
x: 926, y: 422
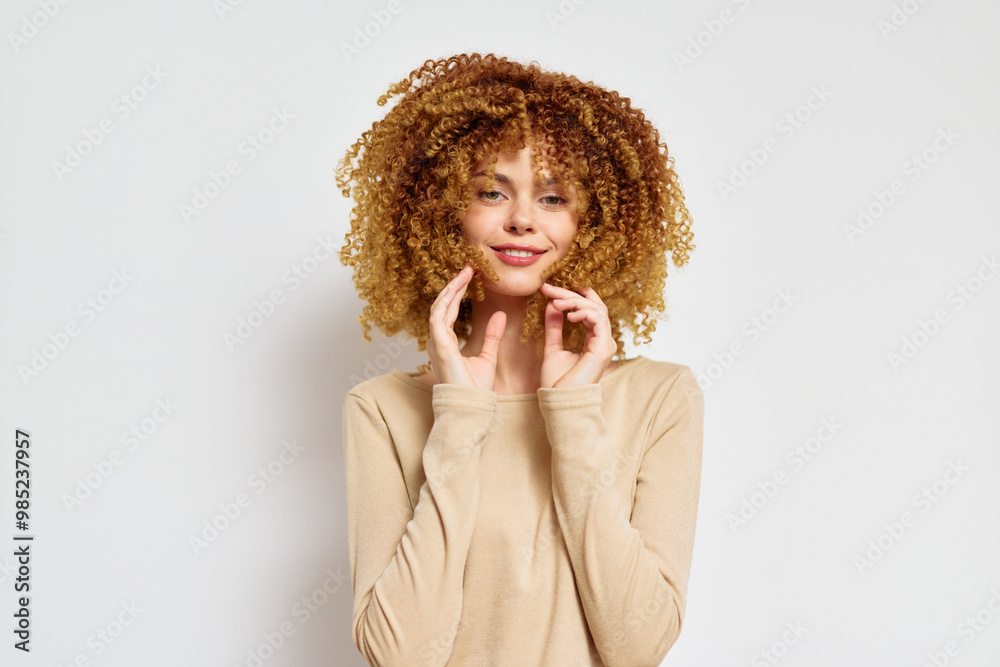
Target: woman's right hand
x: 447, y: 361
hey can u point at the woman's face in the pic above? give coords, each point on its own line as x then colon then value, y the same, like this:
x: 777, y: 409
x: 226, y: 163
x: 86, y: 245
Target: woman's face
x: 519, y: 212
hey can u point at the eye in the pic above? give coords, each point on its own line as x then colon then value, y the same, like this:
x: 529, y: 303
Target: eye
x: 490, y: 195
x: 554, y: 200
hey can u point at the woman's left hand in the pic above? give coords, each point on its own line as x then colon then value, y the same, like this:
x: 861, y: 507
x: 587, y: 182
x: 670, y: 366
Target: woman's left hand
x: 563, y: 368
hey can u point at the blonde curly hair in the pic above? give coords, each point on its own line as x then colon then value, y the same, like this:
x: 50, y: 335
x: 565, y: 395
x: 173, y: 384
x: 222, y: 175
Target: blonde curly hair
x: 411, y: 177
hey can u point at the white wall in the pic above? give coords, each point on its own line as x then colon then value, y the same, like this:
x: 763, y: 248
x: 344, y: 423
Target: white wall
x: 884, y: 97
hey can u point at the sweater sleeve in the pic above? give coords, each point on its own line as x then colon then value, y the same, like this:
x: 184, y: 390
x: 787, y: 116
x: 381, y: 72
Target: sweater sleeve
x: 407, y: 566
x: 631, y: 564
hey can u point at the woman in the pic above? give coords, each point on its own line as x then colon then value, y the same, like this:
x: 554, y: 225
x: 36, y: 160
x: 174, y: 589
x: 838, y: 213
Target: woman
x: 528, y: 499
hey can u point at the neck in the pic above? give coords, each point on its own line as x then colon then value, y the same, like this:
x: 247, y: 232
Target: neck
x: 518, y: 366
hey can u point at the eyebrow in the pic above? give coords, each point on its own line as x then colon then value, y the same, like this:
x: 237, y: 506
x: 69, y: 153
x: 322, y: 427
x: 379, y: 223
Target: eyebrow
x: 503, y: 178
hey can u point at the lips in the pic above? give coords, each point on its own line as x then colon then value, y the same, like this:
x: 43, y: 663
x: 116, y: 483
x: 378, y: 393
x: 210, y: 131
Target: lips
x: 519, y: 246
x: 520, y: 259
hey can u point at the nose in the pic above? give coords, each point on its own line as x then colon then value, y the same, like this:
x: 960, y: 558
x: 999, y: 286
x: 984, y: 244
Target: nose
x: 521, y: 217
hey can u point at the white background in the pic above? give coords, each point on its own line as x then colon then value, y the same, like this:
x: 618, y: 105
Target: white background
x: 887, y: 94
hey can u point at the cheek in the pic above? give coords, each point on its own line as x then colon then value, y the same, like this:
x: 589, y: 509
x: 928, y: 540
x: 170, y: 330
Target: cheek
x: 473, y: 227
x: 569, y: 231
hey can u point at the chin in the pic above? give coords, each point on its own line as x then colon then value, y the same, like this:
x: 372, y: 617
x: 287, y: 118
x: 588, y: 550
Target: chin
x: 520, y: 288
x: 517, y: 281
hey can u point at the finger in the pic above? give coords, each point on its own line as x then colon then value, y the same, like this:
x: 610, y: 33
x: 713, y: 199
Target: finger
x: 451, y: 284
x: 553, y: 329
x: 576, y: 304
x: 566, y: 303
x: 588, y: 317
x: 441, y: 330
x: 463, y: 283
x: 552, y: 291
x: 594, y: 315
x: 460, y: 278
x: 597, y: 317
x: 592, y: 296
x: 494, y: 334
x: 439, y: 309
x: 587, y: 293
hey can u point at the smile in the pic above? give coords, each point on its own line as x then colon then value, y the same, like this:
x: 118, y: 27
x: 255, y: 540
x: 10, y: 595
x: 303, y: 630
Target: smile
x: 518, y: 257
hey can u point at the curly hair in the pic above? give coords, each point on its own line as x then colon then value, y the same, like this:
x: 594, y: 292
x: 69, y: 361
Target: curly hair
x: 412, y: 177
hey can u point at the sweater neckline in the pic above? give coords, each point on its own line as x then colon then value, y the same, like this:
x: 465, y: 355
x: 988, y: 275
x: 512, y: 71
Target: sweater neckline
x: 411, y: 380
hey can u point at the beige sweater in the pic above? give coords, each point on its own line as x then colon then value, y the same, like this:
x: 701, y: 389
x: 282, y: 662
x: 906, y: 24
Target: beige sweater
x: 522, y: 529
